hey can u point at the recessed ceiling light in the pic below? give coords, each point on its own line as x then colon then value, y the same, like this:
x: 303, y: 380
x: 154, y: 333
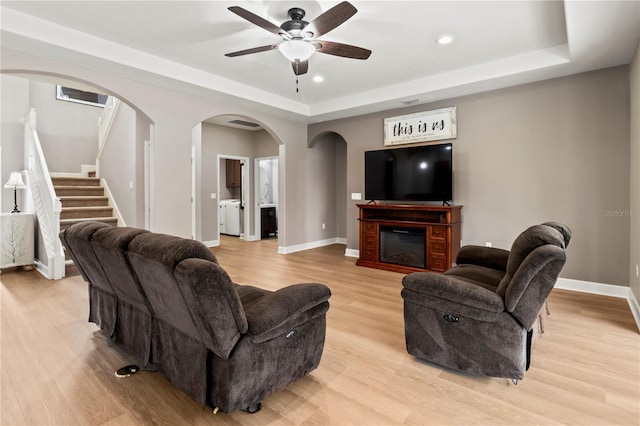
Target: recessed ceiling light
x: 318, y: 78
x: 444, y: 39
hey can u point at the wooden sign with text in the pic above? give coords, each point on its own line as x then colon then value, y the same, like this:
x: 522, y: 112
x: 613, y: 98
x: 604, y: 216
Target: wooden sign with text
x: 420, y: 127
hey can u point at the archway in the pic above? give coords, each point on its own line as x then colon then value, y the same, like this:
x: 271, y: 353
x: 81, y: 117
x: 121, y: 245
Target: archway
x: 220, y: 142
x: 336, y: 142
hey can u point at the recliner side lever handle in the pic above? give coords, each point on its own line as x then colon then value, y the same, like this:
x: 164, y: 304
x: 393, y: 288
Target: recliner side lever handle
x: 450, y: 318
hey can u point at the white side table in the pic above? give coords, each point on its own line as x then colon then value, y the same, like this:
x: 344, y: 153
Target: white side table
x: 16, y: 239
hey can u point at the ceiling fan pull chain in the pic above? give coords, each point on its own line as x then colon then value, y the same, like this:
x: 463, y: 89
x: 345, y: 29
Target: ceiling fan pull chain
x: 297, y: 71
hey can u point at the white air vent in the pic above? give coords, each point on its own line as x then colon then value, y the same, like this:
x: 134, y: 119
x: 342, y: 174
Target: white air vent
x: 412, y: 101
x: 244, y: 123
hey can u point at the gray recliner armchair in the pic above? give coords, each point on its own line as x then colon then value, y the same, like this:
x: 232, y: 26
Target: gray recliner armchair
x: 478, y: 316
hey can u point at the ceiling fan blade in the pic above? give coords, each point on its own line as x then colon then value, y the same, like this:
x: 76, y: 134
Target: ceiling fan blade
x: 300, y: 68
x: 341, y: 49
x: 331, y: 19
x: 252, y: 50
x: 256, y: 20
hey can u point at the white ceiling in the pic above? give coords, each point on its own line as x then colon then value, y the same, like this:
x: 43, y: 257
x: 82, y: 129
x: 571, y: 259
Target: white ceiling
x: 181, y: 44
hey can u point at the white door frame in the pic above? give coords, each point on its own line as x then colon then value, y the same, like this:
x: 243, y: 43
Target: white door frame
x: 246, y: 199
x: 149, y: 176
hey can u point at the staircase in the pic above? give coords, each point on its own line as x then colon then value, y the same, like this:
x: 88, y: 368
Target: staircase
x: 82, y: 199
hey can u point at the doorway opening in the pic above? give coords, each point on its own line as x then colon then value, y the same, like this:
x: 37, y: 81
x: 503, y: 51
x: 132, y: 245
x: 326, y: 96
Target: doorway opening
x: 267, y: 197
x: 234, y: 206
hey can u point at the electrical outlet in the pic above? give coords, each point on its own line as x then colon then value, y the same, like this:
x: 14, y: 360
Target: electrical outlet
x: 356, y: 196
x: 323, y: 226
x: 488, y: 244
x: 637, y: 271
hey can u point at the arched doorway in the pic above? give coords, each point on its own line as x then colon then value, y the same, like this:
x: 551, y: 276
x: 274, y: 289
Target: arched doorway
x: 338, y: 144
x: 225, y: 143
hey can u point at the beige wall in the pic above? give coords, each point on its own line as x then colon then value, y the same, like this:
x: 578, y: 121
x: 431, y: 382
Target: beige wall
x: 341, y: 188
x: 552, y: 150
x: 14, y: 98
x: 121, y: 159
x: 68, y: 131
x: 634, y: 78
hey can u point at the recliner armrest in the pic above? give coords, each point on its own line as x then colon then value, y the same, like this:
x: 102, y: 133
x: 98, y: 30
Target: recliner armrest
x: 451, y: 295
x: 489, y: 257
x: 276, y: 312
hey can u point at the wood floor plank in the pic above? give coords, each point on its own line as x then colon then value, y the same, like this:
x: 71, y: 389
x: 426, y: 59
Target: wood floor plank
x: 56, y: 368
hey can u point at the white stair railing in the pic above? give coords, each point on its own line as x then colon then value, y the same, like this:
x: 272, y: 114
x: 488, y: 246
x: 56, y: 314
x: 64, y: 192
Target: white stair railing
x: 47, y: 205
x: 104, y: 125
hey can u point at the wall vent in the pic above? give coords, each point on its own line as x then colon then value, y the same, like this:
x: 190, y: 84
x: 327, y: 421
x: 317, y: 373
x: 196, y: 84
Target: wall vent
x: 244, y: 123
x: 412, y: 101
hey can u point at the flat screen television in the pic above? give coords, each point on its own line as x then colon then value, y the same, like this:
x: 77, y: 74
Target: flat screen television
x: 421, y: 173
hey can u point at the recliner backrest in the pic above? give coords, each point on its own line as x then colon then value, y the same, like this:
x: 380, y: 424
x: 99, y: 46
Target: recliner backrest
x: 77, y: 240
x: 153, y: 258
x: 214, y: 304
x: 535, y: 261
x: 110, y: 245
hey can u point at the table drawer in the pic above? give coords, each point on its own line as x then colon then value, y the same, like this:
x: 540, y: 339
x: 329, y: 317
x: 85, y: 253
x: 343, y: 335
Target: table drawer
x: 438, y: 247
x: 368, y: 254
x: 437, y: 263
x: 369, y: 241
x: 438, y: 232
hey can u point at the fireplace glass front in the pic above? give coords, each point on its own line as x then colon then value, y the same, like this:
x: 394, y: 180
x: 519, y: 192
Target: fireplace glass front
x: 403, y: 246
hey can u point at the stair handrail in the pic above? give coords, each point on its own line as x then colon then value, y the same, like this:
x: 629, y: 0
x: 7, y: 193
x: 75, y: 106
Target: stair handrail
x: 105, y: 122
x: 47, y: 204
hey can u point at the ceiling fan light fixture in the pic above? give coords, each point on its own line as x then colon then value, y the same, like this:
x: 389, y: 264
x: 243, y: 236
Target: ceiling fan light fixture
x: 445, y: 39
x: 296, y: 50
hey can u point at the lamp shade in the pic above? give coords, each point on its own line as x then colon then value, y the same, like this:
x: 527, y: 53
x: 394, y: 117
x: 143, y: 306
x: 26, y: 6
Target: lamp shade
x: 296, y: 50
x: 15, y: 181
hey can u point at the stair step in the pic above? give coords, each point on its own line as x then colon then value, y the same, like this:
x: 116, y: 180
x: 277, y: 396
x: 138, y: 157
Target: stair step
x: 85, y: 212
x: 75, y: 181
x: 78, y: 190
x: 86, y: 201
x: 65, y: 223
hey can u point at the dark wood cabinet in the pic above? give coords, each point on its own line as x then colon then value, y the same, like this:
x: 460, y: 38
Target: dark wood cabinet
x: 408, y: 238
x: 234, y: 174
x: 268, y: 222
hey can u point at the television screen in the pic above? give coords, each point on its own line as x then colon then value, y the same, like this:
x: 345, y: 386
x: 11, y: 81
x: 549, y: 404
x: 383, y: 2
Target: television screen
x: 422, y: 173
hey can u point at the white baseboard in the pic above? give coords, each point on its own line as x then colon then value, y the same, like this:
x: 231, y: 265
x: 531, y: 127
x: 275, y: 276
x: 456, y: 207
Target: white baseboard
x: 86, y: 168
x: 212, y: 243
x: 41, y: 267
x: 84, y: 172
x: 112, y: 203
x: 591, y: 287
x: 308, y: 246
x: 352, y: 253
x: 635, y: 308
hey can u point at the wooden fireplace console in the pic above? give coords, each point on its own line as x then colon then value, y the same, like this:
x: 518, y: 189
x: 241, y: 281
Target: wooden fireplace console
x: 440, y: 227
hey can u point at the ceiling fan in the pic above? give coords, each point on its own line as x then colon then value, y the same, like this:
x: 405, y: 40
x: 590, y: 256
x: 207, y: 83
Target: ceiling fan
x: 300, y: 38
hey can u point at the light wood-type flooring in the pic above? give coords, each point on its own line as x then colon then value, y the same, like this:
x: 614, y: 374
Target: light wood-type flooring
x: 58, y: 369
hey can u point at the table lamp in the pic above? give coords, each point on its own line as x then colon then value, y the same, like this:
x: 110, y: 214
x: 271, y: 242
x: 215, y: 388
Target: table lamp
x: 15, y: 182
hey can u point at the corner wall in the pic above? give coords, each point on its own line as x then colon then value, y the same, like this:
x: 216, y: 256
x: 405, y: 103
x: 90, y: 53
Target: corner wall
x: 634, y: 205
